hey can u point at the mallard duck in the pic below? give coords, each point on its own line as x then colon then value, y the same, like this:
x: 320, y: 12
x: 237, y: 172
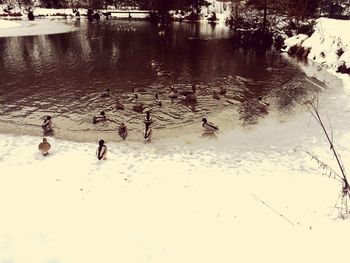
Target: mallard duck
x: 263, y: 102
x: 192, y: 97
x: 99, y: 118
x: 119, y: 105
x: 222, y: 91
x: 123, y: 131
x: 209, y: 126
x: 148, y: 118
x: 133, y: 96
x: 147, y: 132
x: 105, y: 94
x: 138, y: 107
x: 157, y: 101
x: 44, y: 147
x: 187, y: 92
x: 47, y: 125
x: 173, y: 93
x: 216, y: 95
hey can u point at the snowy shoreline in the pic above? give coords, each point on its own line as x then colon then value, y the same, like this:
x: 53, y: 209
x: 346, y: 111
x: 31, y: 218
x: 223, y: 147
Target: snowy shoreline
x: 31, y: 28
x: 328, y: 46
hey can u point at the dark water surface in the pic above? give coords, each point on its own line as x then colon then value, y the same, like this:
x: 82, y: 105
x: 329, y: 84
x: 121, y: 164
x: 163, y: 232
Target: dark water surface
x: 63, y: 75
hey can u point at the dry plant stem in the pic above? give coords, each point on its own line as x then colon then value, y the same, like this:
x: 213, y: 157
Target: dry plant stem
x: 278, y: 213
x: 330, y: 141
x: 345, y: 193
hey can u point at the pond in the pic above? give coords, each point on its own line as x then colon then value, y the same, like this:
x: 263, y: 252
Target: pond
x: 63, y: 76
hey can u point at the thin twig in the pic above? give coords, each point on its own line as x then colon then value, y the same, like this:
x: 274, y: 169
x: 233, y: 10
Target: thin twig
x: 278, y: 213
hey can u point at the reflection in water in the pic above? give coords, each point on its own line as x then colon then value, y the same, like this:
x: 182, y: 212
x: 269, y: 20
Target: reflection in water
x: 63, y: 75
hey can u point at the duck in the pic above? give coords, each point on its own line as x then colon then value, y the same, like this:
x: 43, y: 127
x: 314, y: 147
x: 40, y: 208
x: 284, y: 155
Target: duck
x: 157, y: 101
x: 99, y: 118
x: 216, y: 95
x: 105, y: 94
x: 192, y: 97
x: 173, y: 93
x: 133, y: 96
x: 186, y: 92
x: 222, y: 91
x: 123, y: 131
x: 138, y: 107
x: 119, y: 105
x: 147, y: 132
x: 263, y: 102
x: 208, y: 126
x: 148, y: 118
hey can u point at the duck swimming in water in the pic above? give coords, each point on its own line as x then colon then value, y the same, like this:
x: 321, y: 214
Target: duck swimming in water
x: 99, y: 118
x: 191, y: 96
x: 157, y: 101
x: 208, y: 126
x: 123, y: 131
x: 148, y: 118
x: 147, y: 132
x: 216, y: 95
x: 119, y: 105
x: 133, y: 96
x: 138, y: 107
x: 187, y: 91
x: 263, y: 102
x: 105, y: 94
x: 222, y: 91
x: 47, y: 125
x: 173, y: 93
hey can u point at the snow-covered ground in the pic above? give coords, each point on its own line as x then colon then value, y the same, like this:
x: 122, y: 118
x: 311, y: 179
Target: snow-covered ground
x: 329, y: 45
x: 244, y: 196
x: 8, y: 24
x: 37, y: 27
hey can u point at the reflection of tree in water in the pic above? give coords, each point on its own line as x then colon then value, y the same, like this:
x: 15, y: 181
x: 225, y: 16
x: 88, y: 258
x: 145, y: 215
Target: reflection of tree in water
x: 251, y: 111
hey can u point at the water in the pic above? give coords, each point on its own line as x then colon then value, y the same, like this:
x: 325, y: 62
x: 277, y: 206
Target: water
x: 63, y: 76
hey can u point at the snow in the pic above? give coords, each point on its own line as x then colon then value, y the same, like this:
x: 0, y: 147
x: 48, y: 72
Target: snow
x: 180, y: 199
x: 295, y: 40
x: 8, y: 24
x: 330, y: 39
x: 37, y: 27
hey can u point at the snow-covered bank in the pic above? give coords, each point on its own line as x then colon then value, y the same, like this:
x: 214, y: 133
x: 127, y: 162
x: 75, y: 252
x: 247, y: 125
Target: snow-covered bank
x: 8, y: 24
x: 328, y: 46
x: 37, y: 27
x: 164, y: 202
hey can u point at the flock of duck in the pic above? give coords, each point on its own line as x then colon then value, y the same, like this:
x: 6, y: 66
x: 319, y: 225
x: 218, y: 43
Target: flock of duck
x: 189, y: 95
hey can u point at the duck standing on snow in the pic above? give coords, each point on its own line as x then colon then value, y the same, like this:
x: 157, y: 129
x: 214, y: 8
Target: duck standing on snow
x: 147, y: 133
x: 157, y: 101
x: 44, y: 147
x: 101, y: 151
x: 123, y: 131
x: 208, y: 126
x: 101, y: 117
